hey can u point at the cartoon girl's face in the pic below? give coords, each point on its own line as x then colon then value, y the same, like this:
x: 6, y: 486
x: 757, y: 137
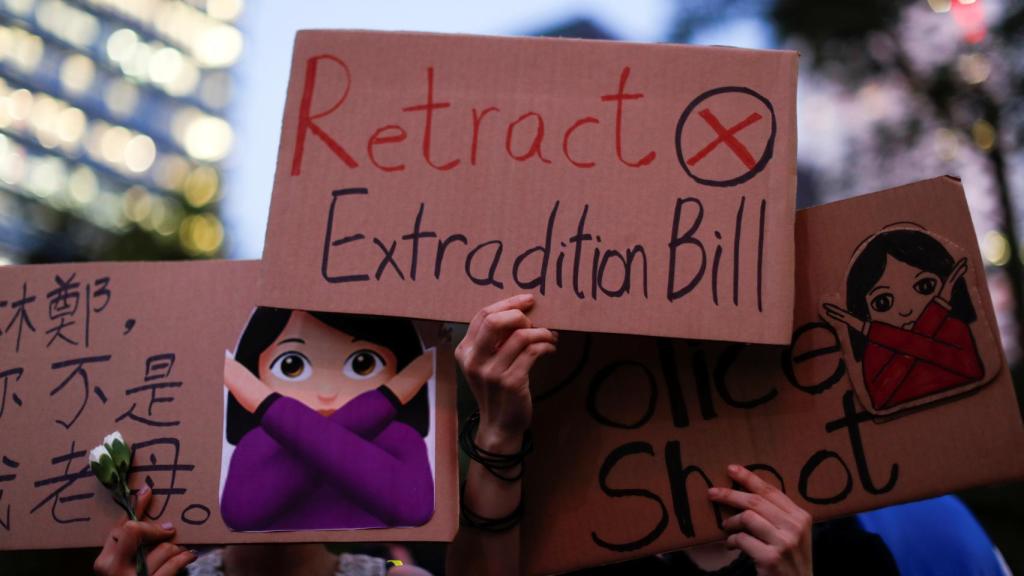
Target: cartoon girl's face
x: 322, y: 367
x: 901, y: 294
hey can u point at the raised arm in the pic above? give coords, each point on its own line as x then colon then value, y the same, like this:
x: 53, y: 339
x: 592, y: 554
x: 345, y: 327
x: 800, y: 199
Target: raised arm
x: 496, y: 356
x: 387, y: 475
x: 368, y: 414
x: 255, y: 492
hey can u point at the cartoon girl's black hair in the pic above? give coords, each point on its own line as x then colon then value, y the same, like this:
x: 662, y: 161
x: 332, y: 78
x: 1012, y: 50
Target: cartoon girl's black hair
x: 396, y: 334
x: 914, y: 248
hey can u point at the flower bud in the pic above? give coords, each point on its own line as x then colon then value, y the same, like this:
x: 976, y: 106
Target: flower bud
x: 119, y: 453
x: 115, y: 435
x: 97, y: 453
x: 102, y: 465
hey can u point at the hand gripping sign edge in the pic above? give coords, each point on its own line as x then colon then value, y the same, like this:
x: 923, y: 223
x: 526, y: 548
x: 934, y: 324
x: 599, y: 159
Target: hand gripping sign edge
x: 766, y: 155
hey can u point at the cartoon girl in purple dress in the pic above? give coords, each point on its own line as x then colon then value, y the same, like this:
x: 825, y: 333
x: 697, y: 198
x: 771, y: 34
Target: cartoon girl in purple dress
x: 327, y: 413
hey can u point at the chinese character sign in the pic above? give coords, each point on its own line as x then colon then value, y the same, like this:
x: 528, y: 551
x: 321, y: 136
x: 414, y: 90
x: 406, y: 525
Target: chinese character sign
x: 86, y: 349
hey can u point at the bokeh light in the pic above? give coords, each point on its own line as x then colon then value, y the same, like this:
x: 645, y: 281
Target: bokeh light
x: 995, y: 248
x: 202, y: 186
x: 201, y: 234
x: 76, y: 73
x: 984, y: 134
x: 208, y: 138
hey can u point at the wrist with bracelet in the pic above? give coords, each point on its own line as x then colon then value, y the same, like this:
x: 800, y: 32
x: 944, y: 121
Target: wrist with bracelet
x: 498, y: 465
x: 474, y: 520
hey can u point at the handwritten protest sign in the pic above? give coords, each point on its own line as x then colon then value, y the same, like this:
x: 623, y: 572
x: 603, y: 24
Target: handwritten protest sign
x: 87, y: 349
x: 894, y: 388
x: 641, y: 189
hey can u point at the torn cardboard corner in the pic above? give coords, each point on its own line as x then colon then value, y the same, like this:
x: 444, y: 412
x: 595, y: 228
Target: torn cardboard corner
x: 93, y: 348
x: 649, y: 423
x: 644, y: 189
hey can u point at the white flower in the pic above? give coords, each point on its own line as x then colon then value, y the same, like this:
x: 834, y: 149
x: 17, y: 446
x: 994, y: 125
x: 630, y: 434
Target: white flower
x: 115, y: 435
x: 97, y: 453
x: 111, y: 461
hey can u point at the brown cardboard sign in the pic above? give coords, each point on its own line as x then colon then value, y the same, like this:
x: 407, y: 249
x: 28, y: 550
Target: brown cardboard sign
x: 87, y: 349
x: 644, y: 189
x: 631, y: 431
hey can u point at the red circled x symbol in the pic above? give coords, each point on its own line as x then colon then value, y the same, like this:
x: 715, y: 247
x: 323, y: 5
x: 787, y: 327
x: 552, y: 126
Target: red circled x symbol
x: 726, y: 136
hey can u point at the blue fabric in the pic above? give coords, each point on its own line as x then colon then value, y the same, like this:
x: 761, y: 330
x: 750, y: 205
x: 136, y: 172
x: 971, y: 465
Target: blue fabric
x: 934, y: 537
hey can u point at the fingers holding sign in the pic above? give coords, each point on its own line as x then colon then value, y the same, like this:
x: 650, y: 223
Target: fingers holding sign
x: 491, y: 323
x: 769, y: 527
x: 500, y: 347
x: 118, y: 556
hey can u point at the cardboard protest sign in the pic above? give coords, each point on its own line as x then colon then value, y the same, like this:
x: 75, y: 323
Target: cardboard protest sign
x: 644, y: 189
x: 631, y: 431
x: 87, y: 349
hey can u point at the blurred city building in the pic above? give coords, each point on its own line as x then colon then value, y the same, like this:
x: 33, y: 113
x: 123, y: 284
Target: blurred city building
x: 112, y: 127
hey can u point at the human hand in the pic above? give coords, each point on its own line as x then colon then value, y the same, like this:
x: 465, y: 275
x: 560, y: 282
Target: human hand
x: 249, y: 390
x: 842, y: 315
x: 117, y: 558
x: 407, y: 383
x: 946, y: 292
x: 500, y: 347
x: 770, y: 528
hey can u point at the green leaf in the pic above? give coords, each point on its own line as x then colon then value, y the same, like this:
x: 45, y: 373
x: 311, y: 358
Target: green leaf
x: 122, y: 456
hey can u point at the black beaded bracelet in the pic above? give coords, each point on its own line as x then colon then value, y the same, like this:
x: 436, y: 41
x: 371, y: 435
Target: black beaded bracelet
x: 474, y: 520
x: 494, y: 462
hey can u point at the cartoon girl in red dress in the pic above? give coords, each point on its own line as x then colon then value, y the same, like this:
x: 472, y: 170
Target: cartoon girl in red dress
x: 909, y: 312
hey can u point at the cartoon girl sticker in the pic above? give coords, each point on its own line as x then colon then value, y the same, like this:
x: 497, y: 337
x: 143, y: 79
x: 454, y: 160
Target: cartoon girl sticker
x: 327, y: 413
x: 909, y: 316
